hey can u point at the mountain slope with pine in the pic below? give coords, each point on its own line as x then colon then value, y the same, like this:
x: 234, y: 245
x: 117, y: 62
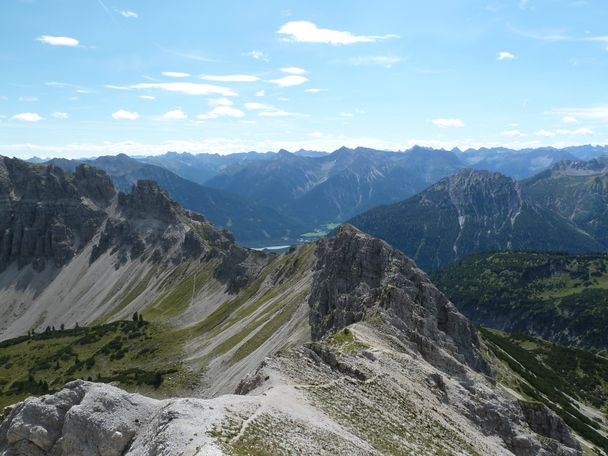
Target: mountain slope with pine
x: 559, y: 297
x: 471, y: 212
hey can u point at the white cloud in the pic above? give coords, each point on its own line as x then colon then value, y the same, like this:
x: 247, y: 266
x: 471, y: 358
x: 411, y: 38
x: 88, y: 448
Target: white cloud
x: 386, y: 61
x: 504, y: 55
x: 307, y: 32
x: 597, y: 113
x: 147, y: 97
x: 315, y: 90
x: 258, y: 55
x: 289, y: 81
x: 252, y: 106
x: 231, y: 78
x: 276, y: 113
x: 221, y: 111
x: 28, y: 117
x: 260, y: 93
x: 294, y: 70
x: 446, y: 123
x: 175, y: 74
x: 575, y: 132
x: 347, y: 114
x: 121, y: 114
x: 220, y: 102
x: 569, y: 120
x: 545, y: 134
x: 513, y: 134
x: 28, y: 99
x: 60, y: 115
x: 187, y: 88
x: 129, y: 14
x: 315, y: 134
x: 176, y: 114
x: 58, y: 40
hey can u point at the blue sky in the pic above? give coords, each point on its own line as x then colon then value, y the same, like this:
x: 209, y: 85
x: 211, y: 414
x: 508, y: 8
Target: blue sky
x: 93, y: 77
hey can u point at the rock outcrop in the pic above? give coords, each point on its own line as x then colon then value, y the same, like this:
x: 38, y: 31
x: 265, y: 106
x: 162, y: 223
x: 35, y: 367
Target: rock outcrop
x: 358, y: 275
x: 47, y: 214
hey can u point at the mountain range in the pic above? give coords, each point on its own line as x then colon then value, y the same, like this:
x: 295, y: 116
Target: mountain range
x: 268, y: 199
x: 339, y: 346
x: 560, y: 209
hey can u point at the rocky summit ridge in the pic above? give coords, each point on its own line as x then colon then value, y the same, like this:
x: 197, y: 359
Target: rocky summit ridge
x: 389, y: 367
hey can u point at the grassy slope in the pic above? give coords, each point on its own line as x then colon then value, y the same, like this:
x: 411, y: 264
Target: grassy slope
x: 560, y: 297
x: 559, y: 377
x: 137, y: 355
x: 150, y: 356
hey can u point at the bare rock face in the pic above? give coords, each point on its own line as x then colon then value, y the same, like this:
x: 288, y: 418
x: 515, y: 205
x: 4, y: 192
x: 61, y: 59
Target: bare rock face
x: 47, y: 214
x: 82, y: 419
x: 546, y: 423
x: 358, y: 275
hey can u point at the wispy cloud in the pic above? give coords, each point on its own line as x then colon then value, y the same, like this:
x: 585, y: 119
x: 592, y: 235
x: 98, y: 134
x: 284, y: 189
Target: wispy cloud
x: 545, y: 133
x: 257, y: 55
x: 575, y: 132
x: 572, y: 115
x: 253, y: 106
x: 504, y: 55
x: 307, y: 32
x: 230, y: 78
x: 121, y: 114
x: 386, y: 61
x: 175, y: 74
x: 28, y: 117
x: 186, y: 88
x: 176, y: 114
x: 448, y: 123
x: 58, y: 40
x: 513, y: 134
x: 147, y: 97
x: 276, y: 113
x: 28, y: 99
x: 220, y: 102
x: 222, y: 111
x: 293, y: 70
x: 315, y: 90
x: 289, y: 81
x: 129, y: 14
x: 60, y: 115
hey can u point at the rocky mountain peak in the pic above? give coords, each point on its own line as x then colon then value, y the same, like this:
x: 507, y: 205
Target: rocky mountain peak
x: 580, y: 167
x: 47, y: 214
x: 94, y: 184
x: 148, y: 200
x: 359, y: 277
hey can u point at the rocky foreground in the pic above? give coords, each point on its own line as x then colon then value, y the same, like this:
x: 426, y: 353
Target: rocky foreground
x: 391, y: 367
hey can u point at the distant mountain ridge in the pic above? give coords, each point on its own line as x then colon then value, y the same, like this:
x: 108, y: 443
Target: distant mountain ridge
x: 248, y: 220
x: 277, y: 198
x: 562, y: 209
